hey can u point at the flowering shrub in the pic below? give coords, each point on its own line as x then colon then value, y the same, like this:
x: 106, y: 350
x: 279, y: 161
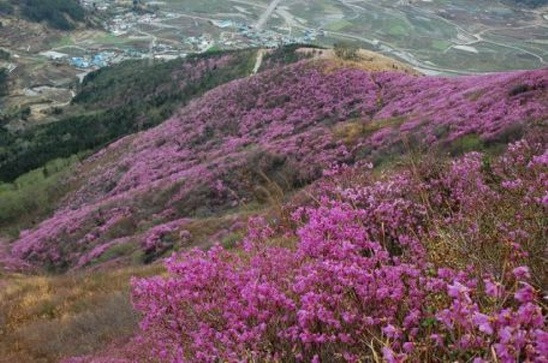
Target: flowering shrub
x: 84, y: 226
x: 364, y: 278
x: 160, y: 238
x: 199, y: 162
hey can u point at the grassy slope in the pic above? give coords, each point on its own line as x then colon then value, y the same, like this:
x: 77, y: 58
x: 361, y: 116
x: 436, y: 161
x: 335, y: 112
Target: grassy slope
x: 45, y: 318
x: 34, y: 195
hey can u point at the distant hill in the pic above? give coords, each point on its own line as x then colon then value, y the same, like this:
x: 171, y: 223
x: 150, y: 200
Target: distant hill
x: 58, y: 14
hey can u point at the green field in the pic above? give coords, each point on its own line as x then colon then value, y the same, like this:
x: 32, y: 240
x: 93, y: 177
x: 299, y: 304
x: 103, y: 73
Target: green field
x: 338, y: 25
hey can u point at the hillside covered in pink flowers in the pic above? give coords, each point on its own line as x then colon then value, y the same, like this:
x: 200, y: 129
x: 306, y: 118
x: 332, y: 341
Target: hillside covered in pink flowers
x: 283, y: 126
x: 320, y: 213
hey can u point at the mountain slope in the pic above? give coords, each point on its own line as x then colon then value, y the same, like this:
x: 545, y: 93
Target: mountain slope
x: 123, y: 99
x: 248, y: 139
x: 436, y: 260
x: 357, y: 213
x: 58, y: 14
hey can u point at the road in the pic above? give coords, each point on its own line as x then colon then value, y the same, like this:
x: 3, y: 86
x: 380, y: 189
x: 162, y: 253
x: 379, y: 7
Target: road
x: 153, y: 40
x: 478, y: 38
x: 68, y: 47
x: 468, y: 38
x: 259, y: 25
x: 403, y: 55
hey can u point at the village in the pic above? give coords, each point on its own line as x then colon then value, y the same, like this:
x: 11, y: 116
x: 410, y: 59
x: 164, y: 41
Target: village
x: 127, y: 21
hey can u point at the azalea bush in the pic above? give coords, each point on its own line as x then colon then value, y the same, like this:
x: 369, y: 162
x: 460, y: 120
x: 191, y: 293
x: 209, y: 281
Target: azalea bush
x: 393, y: 267
x: 280, y: 126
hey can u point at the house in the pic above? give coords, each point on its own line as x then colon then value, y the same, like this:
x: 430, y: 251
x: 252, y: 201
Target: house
x: 79, y: 62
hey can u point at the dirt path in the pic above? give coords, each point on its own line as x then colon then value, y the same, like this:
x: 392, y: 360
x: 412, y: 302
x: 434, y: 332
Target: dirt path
x: 258, y: 61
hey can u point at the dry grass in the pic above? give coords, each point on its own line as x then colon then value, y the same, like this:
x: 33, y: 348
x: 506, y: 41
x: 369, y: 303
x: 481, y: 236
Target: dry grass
x: 43, y: 319
x: 366, y: 60
x: 351, y: 131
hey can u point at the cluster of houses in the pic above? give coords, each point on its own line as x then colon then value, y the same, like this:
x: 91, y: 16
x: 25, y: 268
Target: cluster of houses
x: 200, y: 43
x: 122, y: 23
x: 97, y: 59
x: 233, y: 35
x: 97, y: 5
x: 268, y: 38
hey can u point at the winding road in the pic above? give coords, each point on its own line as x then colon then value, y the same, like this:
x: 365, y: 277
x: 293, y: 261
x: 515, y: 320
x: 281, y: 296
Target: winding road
x: 259, y: 25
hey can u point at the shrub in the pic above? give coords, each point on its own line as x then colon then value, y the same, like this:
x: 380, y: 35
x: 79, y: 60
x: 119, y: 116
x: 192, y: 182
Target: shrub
x: 398, y: 267
x: 4, y: 55
x: 466, y: 144
x: 346, y: 51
